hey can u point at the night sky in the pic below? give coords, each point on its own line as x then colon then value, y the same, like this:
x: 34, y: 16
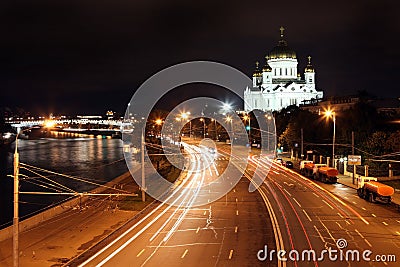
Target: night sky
x: 90, y: 56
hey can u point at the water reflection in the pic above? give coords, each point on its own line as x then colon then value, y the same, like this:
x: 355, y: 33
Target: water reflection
x: 97, y: 159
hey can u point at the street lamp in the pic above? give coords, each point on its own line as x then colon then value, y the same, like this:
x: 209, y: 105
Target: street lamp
x: 48, y: 123
x: 185, y: 116
x: 204, y: 127
x: 332, y: 114
x: 268, y: 117
x: 247, y: 117
x: 229, y: 119
x: 215, y: 127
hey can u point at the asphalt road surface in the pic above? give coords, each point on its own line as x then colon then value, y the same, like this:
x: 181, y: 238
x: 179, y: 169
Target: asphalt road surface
x: 226, y: 232
x: 309, y: 223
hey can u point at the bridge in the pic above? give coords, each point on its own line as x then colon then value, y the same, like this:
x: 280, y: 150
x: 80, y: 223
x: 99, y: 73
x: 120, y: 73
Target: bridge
x: 64, y: 122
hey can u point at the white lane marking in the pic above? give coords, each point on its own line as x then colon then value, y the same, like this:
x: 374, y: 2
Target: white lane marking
x: 398, y: 221
x: 275, y: 172
x: 287, y: 192
x: 308, y: 217
x: 355, y: 203
x: 363, y: 208
x: 385, y: 223
x: 320, y: 236
x: 184, y: 253
x: 231, y: 254
x: 348, y: 222
x: 366, y: 241
x: 205, y: 212
x: 329, y: 205
x: 340, y: 215
x: 198, y: 229
x: 236, y: 229
x: 297, y: 202
x: 373, y: 215
x: 345, y: 197
x: 397, y: 232
x: 359, y: 233
x: 140, y: 253
x: 236, y: 200
x: 237, y: 213
x: 315, y: 194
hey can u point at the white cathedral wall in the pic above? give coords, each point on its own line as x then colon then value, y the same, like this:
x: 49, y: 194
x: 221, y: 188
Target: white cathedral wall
x: 283, y: 68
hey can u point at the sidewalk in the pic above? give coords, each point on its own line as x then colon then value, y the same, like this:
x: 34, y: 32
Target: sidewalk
x: 348, y: 181
x: 57, y: 240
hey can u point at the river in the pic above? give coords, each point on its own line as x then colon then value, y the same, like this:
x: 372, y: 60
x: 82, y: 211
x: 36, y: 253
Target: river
x: 96, y: 160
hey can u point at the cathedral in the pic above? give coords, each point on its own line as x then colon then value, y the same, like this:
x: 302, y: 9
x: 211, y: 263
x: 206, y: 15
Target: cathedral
x: 278, y: 83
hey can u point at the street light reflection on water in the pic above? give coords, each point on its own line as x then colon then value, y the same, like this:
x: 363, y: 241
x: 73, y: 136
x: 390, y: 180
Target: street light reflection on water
x: 89, y: 158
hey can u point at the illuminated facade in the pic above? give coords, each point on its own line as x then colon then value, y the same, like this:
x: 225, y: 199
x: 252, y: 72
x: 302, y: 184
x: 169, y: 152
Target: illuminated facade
x: 278, y: 84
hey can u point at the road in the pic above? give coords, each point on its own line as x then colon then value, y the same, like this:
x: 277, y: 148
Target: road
x: 315, y: 216
x: 288, y: 212
x: 227, y: 232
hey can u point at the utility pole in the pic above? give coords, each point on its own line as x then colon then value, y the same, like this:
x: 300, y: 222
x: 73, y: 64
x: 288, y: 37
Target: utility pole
x: 352, y: 152
x: 16, y: 213
x: 302, y: 154
x: 143, y: 177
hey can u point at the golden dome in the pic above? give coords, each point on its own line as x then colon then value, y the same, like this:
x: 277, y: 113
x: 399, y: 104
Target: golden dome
x: 257, y: 72
x: 282, y: 50
x: 309, y: 67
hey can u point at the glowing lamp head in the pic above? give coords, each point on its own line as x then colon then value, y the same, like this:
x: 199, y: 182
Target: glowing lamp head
x: 49, y: 124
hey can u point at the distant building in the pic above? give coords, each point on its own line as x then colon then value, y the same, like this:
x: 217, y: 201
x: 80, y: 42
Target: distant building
x: 278, y: 84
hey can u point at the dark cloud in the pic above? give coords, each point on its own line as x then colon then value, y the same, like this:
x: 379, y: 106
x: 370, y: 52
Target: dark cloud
x: 89, y: 56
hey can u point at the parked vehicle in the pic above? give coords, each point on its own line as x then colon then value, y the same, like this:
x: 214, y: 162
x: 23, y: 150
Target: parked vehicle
x: 288, y: 164
x: 370, y: 189
x: 319, y: 172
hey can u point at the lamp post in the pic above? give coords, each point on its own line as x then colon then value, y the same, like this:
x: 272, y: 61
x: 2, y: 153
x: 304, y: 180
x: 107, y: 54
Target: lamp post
x: 204, y: 127
x: 229, y: 119
x: 47, y: 124
x: 185, y: 116
x: 215, y: 127
x: 332, y: 114
x: 268, y: 118
x: 247, y: 117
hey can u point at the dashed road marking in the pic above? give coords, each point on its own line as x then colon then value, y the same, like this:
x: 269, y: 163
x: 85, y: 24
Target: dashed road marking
x: 398, y: 221
x: 354, y: 202
x: 236, y: 229
x: 320, y: 236
x: 205, y: 212
x: 198, y: 229
x: 385, y: 223
x: 366, y: 241
x: 359, y: 233
x: 315, y: 194
x: 329, y: 205
x: 237, y: 213
x: 308, y: 217
x: 363, y: 208
x: 287, y: 192
x: 340, y: 215
x: 297, y: 202
x: 373, y: 215
x: 397, y: 232
x: 184, y: 253
x: 140, y: 253
x: 231, y: 254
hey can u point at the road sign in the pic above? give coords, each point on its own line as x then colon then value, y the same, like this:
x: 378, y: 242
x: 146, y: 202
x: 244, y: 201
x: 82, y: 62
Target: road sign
x: 354, y: 159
